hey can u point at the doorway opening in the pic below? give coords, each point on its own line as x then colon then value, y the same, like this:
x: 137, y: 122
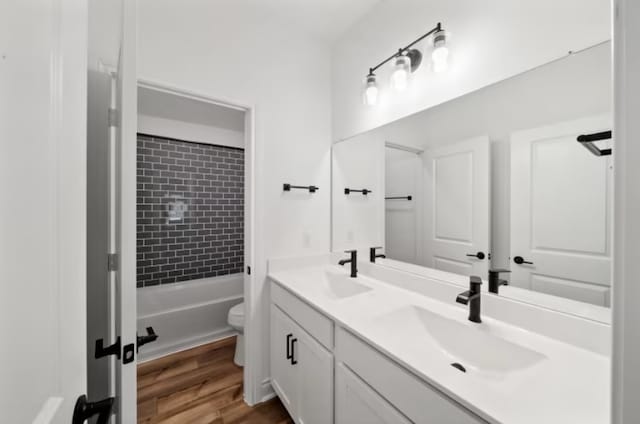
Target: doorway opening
x: 193, y: 247
x: 193, y: 215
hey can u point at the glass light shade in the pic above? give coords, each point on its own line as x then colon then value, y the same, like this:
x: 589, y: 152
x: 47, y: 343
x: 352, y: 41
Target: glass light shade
x: 371, y: 91
x: 401, y: 72
x: 440, y: 54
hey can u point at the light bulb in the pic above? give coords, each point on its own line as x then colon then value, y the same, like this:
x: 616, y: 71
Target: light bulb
x: 401, y: 72
x: 440, y: 54
x: 371, y: 91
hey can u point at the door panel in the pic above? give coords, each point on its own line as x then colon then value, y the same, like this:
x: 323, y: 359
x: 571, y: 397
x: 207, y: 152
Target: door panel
x: 315, y: 380
x: 561, y: 205
x: 453, y: 203
x: 283, y: 375
x: 357, y: 403
x: 457, y: 207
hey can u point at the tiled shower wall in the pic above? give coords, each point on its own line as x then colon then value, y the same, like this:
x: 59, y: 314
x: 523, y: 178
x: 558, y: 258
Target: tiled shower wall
x: 190, y: 211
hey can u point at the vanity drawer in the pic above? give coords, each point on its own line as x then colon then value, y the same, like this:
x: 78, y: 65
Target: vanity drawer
x: 316, y: 324
x: 416, y: 399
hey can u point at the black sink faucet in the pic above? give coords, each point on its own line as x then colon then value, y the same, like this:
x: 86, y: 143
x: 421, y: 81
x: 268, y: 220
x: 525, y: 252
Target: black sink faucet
x: 472, y: 298
x: 494, y: 280
x: 353, y: 261
x: 372, y: 254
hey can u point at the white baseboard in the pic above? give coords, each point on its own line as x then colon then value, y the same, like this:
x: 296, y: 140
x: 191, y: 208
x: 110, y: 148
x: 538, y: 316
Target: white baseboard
x: 266, y: 390
x: 151, y: 354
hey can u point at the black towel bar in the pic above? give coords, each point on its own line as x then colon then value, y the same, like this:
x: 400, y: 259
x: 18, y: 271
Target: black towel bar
x: 364, y: 191
x: 288, y: 187
x: 587, y: 141
x: 399, y: 198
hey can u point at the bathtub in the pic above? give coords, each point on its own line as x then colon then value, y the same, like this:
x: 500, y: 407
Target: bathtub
x: 187, y: 314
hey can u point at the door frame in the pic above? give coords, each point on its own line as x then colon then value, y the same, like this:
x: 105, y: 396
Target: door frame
x: 253, y: 173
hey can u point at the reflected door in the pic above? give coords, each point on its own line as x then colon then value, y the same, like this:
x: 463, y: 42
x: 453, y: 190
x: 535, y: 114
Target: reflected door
x: 457, y: 207
x: 561, y: 212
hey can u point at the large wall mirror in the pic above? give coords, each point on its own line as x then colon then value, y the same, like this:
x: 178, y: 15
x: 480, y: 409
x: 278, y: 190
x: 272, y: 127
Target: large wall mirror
x: 495, y: 179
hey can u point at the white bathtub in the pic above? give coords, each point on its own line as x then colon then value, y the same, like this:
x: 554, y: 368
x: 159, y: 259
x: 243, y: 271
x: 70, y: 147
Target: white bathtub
x: 187, y: 314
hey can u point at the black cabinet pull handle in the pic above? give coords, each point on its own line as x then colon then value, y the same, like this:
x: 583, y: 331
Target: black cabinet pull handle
x: 520, y: 260
x: 293, y: 352
x: 289, y: 349
x: 479, y: 255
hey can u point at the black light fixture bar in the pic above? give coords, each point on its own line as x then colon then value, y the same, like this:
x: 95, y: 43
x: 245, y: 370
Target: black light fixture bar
x: 399, y: 198
x: 364, y: 191
x: 311, y: 188
x: 437, y: 28
x: 587, y: 141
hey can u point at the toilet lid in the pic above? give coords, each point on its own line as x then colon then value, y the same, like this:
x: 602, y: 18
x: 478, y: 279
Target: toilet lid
x: 237, y: 311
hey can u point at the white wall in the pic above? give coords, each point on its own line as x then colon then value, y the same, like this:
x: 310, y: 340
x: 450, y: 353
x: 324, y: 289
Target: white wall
x: 570, y: 88
x: 166, y: 114
x: 358, y: 220
x: 226, y: 50
x: 491, y: 40
x: 187, y: 131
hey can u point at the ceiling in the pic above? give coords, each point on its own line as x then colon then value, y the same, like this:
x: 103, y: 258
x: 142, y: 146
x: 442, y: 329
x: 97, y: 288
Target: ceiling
x: 326, y: 19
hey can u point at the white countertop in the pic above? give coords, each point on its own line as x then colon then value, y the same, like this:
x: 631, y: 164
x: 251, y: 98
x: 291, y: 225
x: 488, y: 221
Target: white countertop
x: 569, y: 385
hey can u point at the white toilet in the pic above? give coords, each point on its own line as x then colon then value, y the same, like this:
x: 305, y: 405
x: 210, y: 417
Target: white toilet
x: 236, y: 320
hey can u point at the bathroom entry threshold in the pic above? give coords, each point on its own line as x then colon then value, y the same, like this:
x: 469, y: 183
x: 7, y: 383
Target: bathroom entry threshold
x: 200, y: 385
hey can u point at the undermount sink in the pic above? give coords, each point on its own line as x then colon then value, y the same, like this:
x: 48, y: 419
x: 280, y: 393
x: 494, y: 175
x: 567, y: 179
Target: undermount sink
x: 471, y: 345
x: 340, y: 286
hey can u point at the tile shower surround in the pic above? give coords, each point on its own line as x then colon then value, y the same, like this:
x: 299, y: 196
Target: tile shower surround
x: 208, y: 240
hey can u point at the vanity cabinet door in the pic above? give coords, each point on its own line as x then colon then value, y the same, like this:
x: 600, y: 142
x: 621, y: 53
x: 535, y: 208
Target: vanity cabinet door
x: 357, y: 403
x: 301, y: 371
x: 284, y: 377
x: 315, y: 380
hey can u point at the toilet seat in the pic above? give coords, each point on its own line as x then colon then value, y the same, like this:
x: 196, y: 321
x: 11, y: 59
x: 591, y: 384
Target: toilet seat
x: 236, y: 315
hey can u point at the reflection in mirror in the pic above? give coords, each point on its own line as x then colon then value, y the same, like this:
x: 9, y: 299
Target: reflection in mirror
x: 494, y: 179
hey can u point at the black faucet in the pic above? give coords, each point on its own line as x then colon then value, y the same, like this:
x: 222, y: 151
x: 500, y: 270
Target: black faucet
x: 372, y: 254
x: 494, y: 280
x: 353, y: 261
x: 472, y: 298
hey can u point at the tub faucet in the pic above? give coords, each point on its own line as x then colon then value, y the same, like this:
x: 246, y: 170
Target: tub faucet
x: 472, y: 298
x: 353, y: 261
x: 494, y: 280
x: 373, y: 256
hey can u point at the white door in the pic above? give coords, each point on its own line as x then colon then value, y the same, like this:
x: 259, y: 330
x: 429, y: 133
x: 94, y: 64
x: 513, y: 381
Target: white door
x: 403, y: 172
x: 561, y: 197
x: 315, y: 379
x: 42, y: 220
x: 283, y: 373
x: 357, y: 403
x: 457, y: 214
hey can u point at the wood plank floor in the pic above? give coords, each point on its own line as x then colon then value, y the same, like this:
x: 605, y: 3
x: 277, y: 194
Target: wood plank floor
x: 200, y: 386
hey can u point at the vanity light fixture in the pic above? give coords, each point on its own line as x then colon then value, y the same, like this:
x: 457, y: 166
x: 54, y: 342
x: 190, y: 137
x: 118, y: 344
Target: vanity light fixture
x: 371, y: 90
x: 440, y: 54
x: 405, y: 61
x: 401, y: 72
